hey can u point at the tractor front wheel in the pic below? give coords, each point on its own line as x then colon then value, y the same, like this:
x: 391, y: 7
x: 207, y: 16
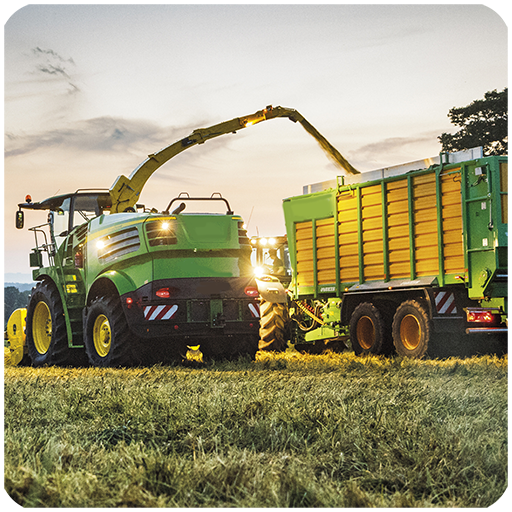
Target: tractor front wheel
x: 108, y: 339
x: 274, y: 326
x: 46, y: 334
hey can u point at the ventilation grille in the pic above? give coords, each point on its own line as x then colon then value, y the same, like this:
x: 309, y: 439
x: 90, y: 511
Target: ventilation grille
x: 160, y: 232
x: 81, y: 232
x: 118, y: 244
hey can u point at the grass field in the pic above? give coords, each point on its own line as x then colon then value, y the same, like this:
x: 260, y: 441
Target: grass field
x: 287, y: 430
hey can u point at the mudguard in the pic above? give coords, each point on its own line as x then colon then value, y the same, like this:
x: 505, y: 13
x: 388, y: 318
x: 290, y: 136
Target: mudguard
x: 271, y: 289
x: 122, y: 282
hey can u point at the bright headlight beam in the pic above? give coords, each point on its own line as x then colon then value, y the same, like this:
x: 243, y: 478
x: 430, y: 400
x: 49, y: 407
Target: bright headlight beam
x: 259, y: 271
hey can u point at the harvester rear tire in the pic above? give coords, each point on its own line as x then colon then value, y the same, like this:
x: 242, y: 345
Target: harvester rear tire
x: 46, y: 334
x: 412, y: 329
x: 109, y: 342
x: 368, y: 330
x: 274, y: 326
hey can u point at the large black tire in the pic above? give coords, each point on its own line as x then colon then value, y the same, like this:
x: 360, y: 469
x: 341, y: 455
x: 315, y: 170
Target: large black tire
x: 274, y: 326
x: 412, y: 329
x: 46, y: 334
x: 108, y: 339
x: 368, y: 333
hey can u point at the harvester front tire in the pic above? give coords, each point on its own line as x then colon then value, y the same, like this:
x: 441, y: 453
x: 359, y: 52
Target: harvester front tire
x: 368, y: 330
x: 46, y: 334
x: 274, y: 326
x: 108, y: 339
x: 411, y: 329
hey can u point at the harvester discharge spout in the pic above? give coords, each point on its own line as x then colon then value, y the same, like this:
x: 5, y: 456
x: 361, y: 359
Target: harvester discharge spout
x: 125, y: 191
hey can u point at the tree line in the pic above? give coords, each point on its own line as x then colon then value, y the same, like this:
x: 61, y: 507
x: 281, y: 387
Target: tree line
x: 13, y: 299
x: 483, y: 123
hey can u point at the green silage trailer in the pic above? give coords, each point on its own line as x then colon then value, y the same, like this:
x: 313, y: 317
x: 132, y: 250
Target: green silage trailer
x: 411, y: 259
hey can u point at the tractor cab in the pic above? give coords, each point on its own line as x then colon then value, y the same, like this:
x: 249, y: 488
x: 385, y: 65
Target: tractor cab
x: 270, y: 257
x: 65, y: 213
x: 68, y: 211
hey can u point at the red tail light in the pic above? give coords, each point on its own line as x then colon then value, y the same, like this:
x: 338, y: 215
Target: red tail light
x: 251, y: 291
x: 163, y: 293
x: 482, y: 316
x: 168, y: 291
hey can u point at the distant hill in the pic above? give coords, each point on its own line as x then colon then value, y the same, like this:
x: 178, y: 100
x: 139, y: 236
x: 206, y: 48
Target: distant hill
x: 22, y: 287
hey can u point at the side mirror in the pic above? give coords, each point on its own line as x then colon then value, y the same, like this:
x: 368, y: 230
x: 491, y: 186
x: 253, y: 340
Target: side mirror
x: 20, y: 218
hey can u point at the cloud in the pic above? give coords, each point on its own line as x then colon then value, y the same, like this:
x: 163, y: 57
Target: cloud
x: 99, y: 135
x: 55, y: 66
x: 50, y: 53
x: 53, y: 70
x: 391, y: 145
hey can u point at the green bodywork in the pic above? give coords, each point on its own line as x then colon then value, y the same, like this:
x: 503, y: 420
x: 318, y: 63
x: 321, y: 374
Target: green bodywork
x: 130, y: 250
x: 484, y: 237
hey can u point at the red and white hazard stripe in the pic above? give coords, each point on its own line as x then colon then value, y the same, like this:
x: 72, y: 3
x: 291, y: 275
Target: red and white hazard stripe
x: 445, y: 303
x: 160, y: 312
x: 254, y: 309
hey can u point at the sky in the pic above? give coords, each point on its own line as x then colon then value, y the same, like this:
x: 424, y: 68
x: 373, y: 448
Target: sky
x: 91, y: 90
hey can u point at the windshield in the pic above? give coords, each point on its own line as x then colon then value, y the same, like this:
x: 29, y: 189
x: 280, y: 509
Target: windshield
x: 76, y: 210
x: 86, y: 207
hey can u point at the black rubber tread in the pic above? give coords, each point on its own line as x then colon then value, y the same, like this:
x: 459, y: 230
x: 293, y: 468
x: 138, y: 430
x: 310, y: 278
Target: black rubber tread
x: 59, y: 352
x: 274, y: 326
x: 380, y: 343
x: 387, y: 310
x: 419, y: 311
x: 123, y: 344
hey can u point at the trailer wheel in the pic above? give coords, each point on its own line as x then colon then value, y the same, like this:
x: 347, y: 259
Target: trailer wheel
x: 411, y: 329
x: 274, y: 326
x: 46, y: 334
x: 108, y: 339
x: 367, y: 330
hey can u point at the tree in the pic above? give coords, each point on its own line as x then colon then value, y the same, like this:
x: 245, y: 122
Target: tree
x: 483, y: 123
x: 13, y: 299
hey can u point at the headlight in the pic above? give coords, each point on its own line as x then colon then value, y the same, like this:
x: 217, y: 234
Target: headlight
x: 259, y: 271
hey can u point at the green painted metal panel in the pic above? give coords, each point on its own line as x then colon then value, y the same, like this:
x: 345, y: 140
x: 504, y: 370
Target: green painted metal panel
x: 360, y: 235
x: 308, y: 207
x: 482, y: 210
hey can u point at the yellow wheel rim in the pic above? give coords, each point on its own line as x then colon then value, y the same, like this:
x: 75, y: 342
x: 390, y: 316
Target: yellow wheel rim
x: 102, y: 335
x: 410, y: 332
x: 42, y: 327
x: 365, y: 332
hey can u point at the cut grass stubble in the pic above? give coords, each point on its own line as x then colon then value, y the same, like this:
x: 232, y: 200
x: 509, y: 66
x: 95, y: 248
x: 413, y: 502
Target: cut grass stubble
x: 286, y: 430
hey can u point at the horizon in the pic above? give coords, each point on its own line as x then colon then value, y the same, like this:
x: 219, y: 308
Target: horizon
x: 91, y: 90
